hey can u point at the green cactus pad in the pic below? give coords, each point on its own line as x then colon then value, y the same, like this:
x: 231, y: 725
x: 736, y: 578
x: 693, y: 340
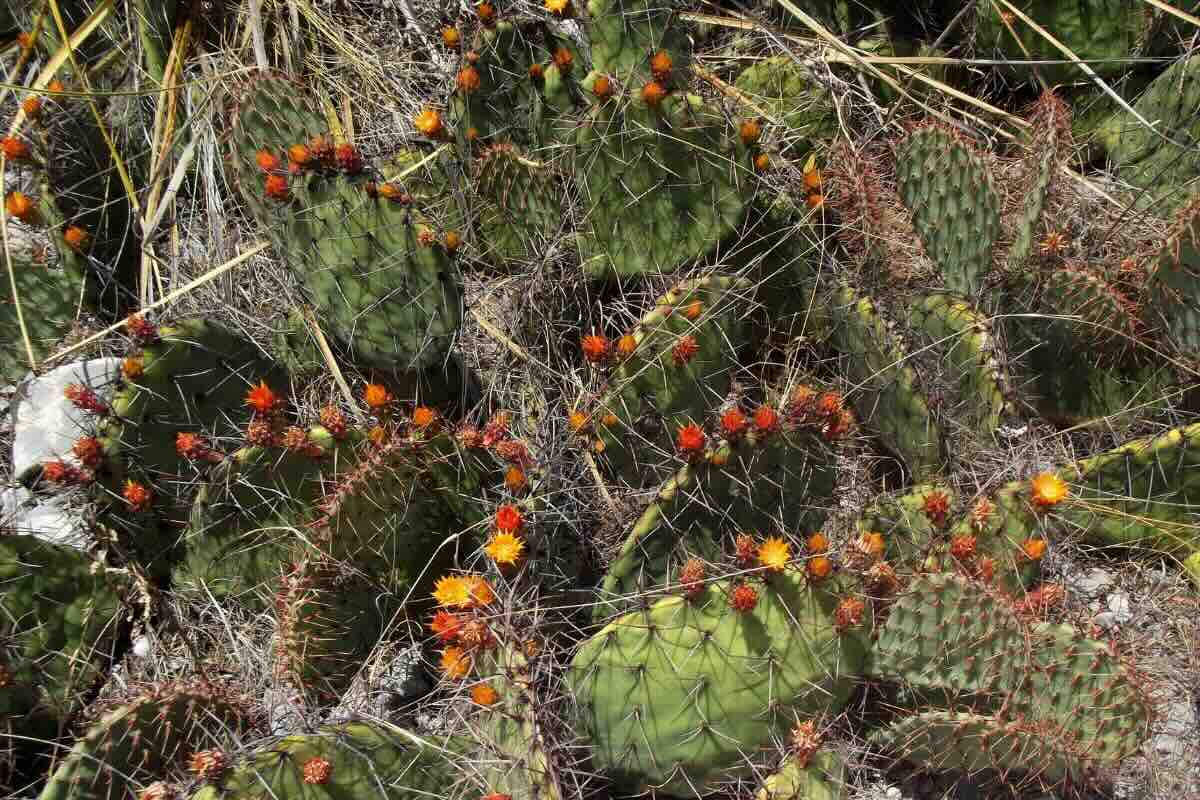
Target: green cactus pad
x: 1160, y: 159
x: 961, y: 741
x: 967, y: 351
x: 49, y: 300
x: 394, y: 301
x: 885, y: 392
x: 1174, y: 305
x: 787, y: 477
x: 521, y: 208
x: 245, y: 520
x: 909, y: 531
x: 138, y: 741
x: 62, y: 615
x: 676, y: 696
x: 624, y: 34
x: 659, y: 187
x: 955, y: 208
x: 784, y: 89
x: 1138, y: 495
x: 948, y: 633
x: 366, y: 759
x: 329, y: 622
x: 654, y: 392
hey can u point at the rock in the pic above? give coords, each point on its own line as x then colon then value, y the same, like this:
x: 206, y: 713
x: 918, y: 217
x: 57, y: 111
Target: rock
x: 141, y: 646
x: 1106, y: 620
x: 51, y: 520
x: 1092, y: 583
x: 1121, y: 607
x: 46, y: 424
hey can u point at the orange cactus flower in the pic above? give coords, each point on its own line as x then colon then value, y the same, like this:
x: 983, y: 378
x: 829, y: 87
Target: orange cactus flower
x: 1048, y: 490
x: 871, y: 544
x: 577, y: 421
x: 815, y: 200
x: 766, y: 419
x: 376, y: 396
x: 813, y: 180
x: 76, y: 238
x: 451, y: 241
x: 626, y: 345
x: 685, y: 349
x: 660, y: 65
x: 132, y: 368
x: 733, y: 423
x: 563, y: 59
x: 484, y: 694
x: 817, y: 543
x: 537, y: 71
x: 22, y: 207
x: 32, y: 106
x: 445, y: 625
x: 750, y: 132
x: 467, y: 79
x: 268, y: 161
x: 456, y: 663
x: 936, y: 506
x: 451, y: 37
x: 14, y: 149
x: 1034, y: 549
x: 762, y: 162
x: 819, y: 567
x: 452, y: 591
x: 596, y: 348
x: 317, y: 770
x: 653, y: 93
x: 744, y: 598
x: 348, y: 159
x: 482, y: 593
x: 505, y: 549
x: 559, y: 8
x: 429, y: 123
x: 515, y: 480
x: 963, y: 547
x: 486, y: 13
x: 509, y: 519
x: 423, y: 417
x: 276, y: 187
x: 136, y: 495
x: 89, y: 451
x: 744, y: 549
x: 691, y: 578
x: 262, y: 399
x: 301, y: 155
x: 849, y: 613
x: 690, y: 440
x: 602, y: 88
x: 773, y: 554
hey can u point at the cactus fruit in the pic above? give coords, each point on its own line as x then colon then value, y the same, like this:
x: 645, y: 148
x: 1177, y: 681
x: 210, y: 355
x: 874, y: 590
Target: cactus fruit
x: 156, y: 730
x: 676, y: 695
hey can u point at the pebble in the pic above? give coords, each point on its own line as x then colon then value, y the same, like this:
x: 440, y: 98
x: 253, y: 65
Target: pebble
x: 46, y: 424
x: 1092, y: 583
x: 51, y: 520
x: 1121, y: 607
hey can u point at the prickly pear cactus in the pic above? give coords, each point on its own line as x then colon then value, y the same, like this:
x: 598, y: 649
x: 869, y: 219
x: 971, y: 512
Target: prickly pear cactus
x: 62, y: 617
x: 378, y: 275
x: 353, y: 759
x: 152, y: 733
x: 673, y: 696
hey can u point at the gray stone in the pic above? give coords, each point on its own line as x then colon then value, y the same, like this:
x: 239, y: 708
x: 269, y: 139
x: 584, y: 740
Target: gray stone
x: 1121, y: 607
x: 1106, y: 620
x: 51, y: 519
x: 46, y: 424
x: 1092, y: 583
